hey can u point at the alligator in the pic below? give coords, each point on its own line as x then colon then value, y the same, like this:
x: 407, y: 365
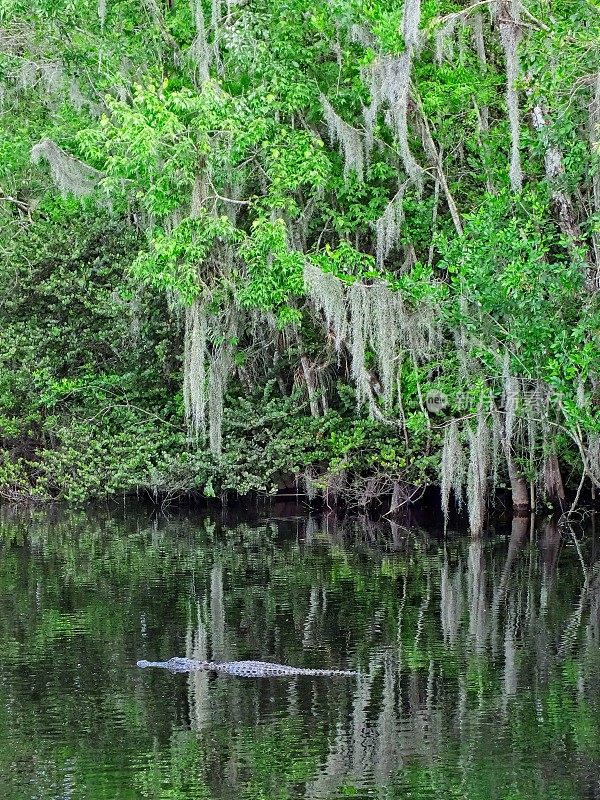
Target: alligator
x: 244, y: 669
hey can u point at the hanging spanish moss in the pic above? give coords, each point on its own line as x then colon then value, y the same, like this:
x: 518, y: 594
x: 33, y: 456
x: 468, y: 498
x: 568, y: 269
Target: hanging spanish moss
x: 221, y: 362
x: 594, y: 113
x: 194, y: 366
x: 349, y: 139
x: 215, y: 14
x: 207, y: 365
x: 581, y: 394
x: 174, y: 220
x: 387, y: 227
x: 411, y: 19
x: 369, y: 114
x: 102, y: 12
x: 390, y: 83
x: 373, y: 318
x: 452, y: 468
x: 328, y: 294
x: 477, y: 26
x: 512, y: 393
x: 593, y: 458
x: 26, y: 75
x: 497, y: 442
x: 510, y: 36
x: 391, y: 328
x: 199, y: 50
x: 218, y: 374
x: 477, y: 474
x: 361, y: 35
x: 52, y: 74
x: 70, y: 174
x: 359, y: 336
x: 78, y: 101
x: 199, y: 193
x: 444, y: 41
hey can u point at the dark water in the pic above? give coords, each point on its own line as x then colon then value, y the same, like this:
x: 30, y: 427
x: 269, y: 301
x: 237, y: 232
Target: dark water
x: 479, y: 663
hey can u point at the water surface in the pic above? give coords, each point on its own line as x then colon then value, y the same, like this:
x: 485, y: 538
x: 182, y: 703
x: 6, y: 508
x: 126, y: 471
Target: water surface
x: 479, y: 662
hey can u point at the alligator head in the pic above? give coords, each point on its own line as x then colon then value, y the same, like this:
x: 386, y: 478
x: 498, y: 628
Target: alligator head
x: 176, y: 664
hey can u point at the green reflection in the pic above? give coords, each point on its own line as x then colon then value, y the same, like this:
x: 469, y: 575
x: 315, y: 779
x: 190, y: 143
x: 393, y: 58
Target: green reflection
x: 478, y: 661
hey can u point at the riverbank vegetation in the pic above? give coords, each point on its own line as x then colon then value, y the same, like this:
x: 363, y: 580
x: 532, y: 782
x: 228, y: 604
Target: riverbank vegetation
x: 349, y: 246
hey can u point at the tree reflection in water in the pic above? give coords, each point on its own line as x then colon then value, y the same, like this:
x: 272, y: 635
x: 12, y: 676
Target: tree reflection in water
x: 478, y: 659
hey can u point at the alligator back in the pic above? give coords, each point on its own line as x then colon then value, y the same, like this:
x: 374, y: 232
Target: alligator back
x: 264, y: 669
x: 244, y: 669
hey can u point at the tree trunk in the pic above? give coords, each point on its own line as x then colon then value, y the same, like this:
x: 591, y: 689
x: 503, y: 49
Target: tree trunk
x: 521, y: 504
x: 553, y: 483
x: 397, y: 501
x: 311, y: 385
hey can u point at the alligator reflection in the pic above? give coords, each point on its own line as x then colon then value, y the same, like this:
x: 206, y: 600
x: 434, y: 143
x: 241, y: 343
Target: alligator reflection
x: 479, y: 661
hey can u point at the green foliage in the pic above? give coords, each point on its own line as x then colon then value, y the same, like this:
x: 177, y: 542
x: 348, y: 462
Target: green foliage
x: 232, y: 155
x: 173, y: 260
x: 275, y: 272
x: 84, y: 412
